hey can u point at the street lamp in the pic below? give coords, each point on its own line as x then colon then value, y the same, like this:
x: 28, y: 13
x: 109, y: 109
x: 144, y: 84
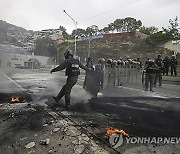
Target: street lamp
x: 75, y: 23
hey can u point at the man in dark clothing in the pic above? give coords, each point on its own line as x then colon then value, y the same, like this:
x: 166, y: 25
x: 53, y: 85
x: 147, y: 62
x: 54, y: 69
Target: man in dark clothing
x: 173, y: 64
x: 71, y: 65
x: 140, y: 63
x: 166, y: 63
x: 150, y: 71
x: 89, y: 64
x: 147, y: 61
x: 100, y: 69
x: 158, y: 76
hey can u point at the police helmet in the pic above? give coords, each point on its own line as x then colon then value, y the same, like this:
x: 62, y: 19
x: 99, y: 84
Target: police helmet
x: 109, y: 61
x: 114, y: 61
x: 90, y: 59
x: 159, y: 55
x: 151, y: 61
x: 68, y: 53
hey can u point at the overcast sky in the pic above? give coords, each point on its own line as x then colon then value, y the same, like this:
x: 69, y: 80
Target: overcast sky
x: 46, y: 14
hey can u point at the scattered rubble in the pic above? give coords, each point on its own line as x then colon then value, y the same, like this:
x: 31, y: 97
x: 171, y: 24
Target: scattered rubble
x: 30, y: 145
x: 44, y: 142
x: 79, y: 149
x: 55, y: 130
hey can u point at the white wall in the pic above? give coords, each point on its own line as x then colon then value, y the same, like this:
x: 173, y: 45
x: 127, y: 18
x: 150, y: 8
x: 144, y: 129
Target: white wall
x: 8, y: 59
x: 172, y: 45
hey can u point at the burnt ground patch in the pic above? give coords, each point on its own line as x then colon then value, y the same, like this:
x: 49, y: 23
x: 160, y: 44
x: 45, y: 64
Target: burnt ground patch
x: 129, y: 113
x: 140, y: 119
x: 14, y: 123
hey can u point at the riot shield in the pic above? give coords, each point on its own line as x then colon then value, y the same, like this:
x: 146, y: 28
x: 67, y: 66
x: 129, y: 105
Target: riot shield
x: 92, y: 82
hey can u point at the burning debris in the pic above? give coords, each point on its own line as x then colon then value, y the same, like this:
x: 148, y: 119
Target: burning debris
x: 17, y: 100
x: 14, y: 99
x: 110, y: 131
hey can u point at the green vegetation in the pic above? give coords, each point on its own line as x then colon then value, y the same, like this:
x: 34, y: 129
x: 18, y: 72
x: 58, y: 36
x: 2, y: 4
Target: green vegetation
x: 45, y: 47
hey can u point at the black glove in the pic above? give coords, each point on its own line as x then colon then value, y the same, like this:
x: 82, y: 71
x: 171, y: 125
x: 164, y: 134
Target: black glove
x: 51, y: 71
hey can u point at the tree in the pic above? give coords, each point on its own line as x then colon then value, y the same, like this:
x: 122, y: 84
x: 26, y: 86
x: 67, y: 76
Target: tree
x: 170, y: 33
x: 131, y: 24
x: 105, y: 30
x: 111, y: 27
x: 45, y: 47
x: 79, y: 33
x: 92, y: 30
x: 118, y: 23
x: 173, y: 29
x: 64, y: 33
x: 148, y: 30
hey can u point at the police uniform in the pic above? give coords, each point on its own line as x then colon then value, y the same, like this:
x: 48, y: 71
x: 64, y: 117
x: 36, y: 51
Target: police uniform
x: 158, y: 76
x: 166, y: 63
x: 100, y: 69
x: 89, y: 64
x: 173, y: 64
x: 150, y: 71
x: 71, y: 65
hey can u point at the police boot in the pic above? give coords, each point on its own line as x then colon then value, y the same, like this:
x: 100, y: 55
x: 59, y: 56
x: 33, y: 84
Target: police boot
x: 55, y: 99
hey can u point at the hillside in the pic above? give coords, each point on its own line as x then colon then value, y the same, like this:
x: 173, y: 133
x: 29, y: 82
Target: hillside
x: 117, y: 47
x: 11, y: 34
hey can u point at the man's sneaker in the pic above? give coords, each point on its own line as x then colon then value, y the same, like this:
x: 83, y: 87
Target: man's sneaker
x: 55, y: 99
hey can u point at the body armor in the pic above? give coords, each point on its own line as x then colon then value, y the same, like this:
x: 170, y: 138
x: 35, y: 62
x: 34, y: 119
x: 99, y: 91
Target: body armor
x: 72, y: 67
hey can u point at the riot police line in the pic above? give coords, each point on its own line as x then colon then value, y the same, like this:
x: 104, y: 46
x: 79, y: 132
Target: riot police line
x: 120, y: 73
x: 109, y: 73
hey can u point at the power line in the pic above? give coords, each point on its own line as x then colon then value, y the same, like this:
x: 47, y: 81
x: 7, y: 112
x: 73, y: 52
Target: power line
x: 111, y: 10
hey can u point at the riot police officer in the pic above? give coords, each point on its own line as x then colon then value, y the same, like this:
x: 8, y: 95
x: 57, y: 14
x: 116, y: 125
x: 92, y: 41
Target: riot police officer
x: 173, y: 64
x: 166, y: 63
x: 90, y: 65
x: 71, y: 65
x: 100, y: 69
x: 150, y: 71
x: 158, y: 76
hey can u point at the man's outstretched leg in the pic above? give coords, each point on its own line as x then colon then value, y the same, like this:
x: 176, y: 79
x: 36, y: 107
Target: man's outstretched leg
x: 71, y: 81
x: 60, y: 95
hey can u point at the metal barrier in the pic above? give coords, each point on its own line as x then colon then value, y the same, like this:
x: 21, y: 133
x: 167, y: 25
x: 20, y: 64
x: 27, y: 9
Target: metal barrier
x: 123, y: 74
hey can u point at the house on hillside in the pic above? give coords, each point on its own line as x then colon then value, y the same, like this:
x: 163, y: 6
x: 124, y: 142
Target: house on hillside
x: 54, y: 34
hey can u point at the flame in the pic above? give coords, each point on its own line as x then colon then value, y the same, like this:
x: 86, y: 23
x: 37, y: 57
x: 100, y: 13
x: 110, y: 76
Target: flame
x: 110, y: 131
x: 24, y: 101
x: 14, y: 99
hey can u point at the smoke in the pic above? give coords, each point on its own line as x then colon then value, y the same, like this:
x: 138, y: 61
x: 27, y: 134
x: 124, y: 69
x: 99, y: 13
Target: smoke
x: 79, y: 95
x: 39, y: 101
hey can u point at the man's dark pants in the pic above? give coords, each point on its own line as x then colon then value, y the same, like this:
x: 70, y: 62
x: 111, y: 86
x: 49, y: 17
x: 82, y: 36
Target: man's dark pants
x: 173, y: 70
x: 149, y: 79
x: 158, y: 77
x: 66, y: 89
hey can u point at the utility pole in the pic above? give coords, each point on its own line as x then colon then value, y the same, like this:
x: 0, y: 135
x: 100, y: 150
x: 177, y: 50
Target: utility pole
x: 75, y: 23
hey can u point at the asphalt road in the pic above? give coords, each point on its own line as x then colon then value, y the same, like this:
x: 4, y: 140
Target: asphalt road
x: 128, y: 107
